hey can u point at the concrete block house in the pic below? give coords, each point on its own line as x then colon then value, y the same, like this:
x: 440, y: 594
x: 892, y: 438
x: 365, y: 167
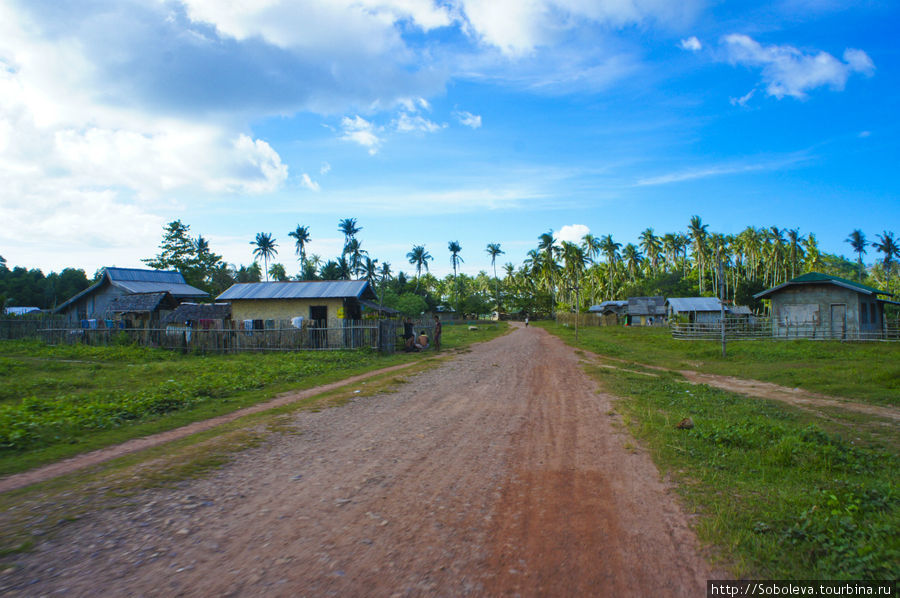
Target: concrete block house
x: 823, y: 306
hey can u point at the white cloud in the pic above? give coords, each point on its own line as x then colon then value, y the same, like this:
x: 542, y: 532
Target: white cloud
x: 310, y: 184
x: 742, y: 101
x: 407, y: 123
x: 325, y: 168
x: 692, y: 43
x: 740, y: 167
x: 788, y: 71
x: 519, y: 27
x: 468, y: 119
x: 573, y: 233
x: 359, y: 130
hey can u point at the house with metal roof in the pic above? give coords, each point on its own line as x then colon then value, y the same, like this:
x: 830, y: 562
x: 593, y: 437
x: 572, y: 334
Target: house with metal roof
x: 140, y: 309
x: 94, y: 301
x: 646, y: 311
x: 819, y: 305
x: 699, y: 310
x: 320, y: 300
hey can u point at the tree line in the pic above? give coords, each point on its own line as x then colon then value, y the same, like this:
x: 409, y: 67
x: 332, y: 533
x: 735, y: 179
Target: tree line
x: 555, y: 275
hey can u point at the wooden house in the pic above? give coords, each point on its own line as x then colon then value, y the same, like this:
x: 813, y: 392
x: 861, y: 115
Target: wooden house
x: 646, y: 311
x: 610, y: 313
x: 94, y: 301
x: 696, y: 310
x: 823, y: 306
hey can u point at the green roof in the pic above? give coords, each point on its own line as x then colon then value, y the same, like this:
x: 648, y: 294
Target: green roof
x: 818, y: 277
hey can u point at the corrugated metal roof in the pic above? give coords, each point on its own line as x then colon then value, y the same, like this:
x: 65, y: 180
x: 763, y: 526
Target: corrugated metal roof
x: 682, y: 304
x: 174, y: 289
x: 819, y: 278
x: 135, y: 303
x: 21, y: 311
x: 141, y: 275
x: 199, y: 311
x: 647, y: 306
x: 616, y: 306
x: 135, y: 280
x: 324, y: 289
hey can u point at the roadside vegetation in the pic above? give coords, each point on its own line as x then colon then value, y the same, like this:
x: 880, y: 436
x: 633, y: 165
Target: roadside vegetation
x: 865, y: 372
x: 56, y: 402
x: 781, y: 493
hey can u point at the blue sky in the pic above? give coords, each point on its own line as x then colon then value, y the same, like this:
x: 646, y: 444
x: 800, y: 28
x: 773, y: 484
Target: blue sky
x: 469, y: 120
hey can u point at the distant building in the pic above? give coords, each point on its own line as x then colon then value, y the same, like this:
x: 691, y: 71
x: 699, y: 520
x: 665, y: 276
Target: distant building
x: 94, y: 302
x: 646, y: 311
x: 696, y: 310
x: 21, y: 311
x: 823, y: 306
x: 610, y: 313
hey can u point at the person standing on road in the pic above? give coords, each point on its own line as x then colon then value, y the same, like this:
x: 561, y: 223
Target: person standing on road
x: 526, y: 321
x: 437, y: 333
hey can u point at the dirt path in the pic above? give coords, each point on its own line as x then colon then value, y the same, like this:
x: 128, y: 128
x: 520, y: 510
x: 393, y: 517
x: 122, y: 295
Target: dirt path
x: 499, y: 472
x: 759, y: 389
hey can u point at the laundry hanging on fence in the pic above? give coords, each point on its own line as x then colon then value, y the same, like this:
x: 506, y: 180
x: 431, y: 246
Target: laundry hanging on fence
x: 248, y: 324
x: 258, y: 325
x: 297, y: 322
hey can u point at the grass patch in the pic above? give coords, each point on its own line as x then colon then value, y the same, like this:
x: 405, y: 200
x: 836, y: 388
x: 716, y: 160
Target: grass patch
x: 866, y: 372
x: 59, y: 401
x: 782, y: 493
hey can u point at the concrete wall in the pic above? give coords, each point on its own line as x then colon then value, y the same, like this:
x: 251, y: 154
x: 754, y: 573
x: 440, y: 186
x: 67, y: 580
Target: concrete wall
x: 281, y: 309
x: 817, y: 309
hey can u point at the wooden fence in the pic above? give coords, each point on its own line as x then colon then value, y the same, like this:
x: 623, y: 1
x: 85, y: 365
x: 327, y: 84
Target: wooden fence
x: 762, y: 328
x: 231, y: 338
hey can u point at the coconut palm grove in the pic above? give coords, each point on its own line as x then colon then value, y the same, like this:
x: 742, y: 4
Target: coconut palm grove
x: 555, y: 275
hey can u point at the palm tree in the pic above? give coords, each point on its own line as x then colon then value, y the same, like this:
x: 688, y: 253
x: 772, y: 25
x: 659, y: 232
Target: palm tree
x: 278, y: 272
x: 349, y: 228
x: 698, y: 233
x: 857, y: 241
x: 794, y: 250
x: 385, y: 277
x: 301, y: 236
x: 591, y: 246
x: 265, y: 248
x: 546, y: 244
x: 454, y: 248
x: 493, y: 250
x: 355, y: 253
x: 419, y: 258
x: 632, y: 259
x: 574, y: 258
x: 889, y: 247
x: 611, y: 249
x: 813, y: 257
x: 652, y: 247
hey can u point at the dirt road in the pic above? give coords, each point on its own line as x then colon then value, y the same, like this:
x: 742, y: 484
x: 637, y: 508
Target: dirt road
x: 498, y: 473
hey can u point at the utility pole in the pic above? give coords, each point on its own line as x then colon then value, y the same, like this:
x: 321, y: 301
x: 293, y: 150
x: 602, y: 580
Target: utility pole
x: 722, y: 302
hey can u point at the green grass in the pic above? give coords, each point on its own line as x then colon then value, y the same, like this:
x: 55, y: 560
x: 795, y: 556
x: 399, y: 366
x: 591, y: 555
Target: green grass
x: 866, y: 372
x: 781, y: 493
x: 56, y: 402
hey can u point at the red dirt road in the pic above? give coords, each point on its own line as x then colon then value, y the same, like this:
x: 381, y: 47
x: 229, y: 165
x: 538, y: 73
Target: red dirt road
x: 497, y: 473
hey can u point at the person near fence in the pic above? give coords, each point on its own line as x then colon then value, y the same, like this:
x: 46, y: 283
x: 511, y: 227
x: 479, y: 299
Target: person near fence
x: 417, y: 343
x: 437, y: 333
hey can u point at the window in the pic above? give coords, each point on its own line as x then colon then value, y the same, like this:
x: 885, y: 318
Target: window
x: 863, y: 313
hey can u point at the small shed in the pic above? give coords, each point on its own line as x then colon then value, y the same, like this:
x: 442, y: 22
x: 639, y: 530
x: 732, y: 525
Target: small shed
x: 646, y: 311
x: 696, y: 310
x: 205, y: 316
x: 610, y: 313
x: 140, y: 309
x: 819, y: 305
